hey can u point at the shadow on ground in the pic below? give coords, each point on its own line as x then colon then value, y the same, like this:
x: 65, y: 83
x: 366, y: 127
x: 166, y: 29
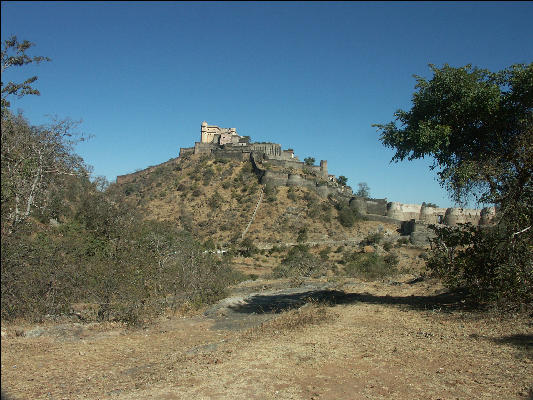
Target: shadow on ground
x: 279, y: 302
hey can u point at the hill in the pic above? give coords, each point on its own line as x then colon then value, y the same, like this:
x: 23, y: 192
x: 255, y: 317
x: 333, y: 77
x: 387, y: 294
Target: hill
x: 218, y: 200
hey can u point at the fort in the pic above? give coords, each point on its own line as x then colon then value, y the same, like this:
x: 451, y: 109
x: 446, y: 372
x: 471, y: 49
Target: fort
x: 278, y: 167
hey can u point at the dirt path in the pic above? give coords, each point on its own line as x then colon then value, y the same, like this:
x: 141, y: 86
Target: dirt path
x: 395, y: 340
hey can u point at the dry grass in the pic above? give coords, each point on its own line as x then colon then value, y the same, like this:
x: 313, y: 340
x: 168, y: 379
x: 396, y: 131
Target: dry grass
x: 383, y: 344
x: 312, y: 313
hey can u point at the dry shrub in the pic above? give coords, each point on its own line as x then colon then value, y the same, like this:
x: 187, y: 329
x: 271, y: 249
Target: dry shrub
x: 312, y: 313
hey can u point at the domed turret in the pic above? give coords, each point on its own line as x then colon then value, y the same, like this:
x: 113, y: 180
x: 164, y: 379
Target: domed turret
x: 453, y: 216
x: 394, y: 210
x: 428, y: 215
x: 487, y: 215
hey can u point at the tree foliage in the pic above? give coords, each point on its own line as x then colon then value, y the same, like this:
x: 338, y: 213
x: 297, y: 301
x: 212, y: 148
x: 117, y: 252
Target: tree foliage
x: 14, y: 55
x: 36, y: 162
x: 100, y: 250
x: 342, y: 180
x: 363, y: 190
x: 478, y: 127
x: 309, y: 161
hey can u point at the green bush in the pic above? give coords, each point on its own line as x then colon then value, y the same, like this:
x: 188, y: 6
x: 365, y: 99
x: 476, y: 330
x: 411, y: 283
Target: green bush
x: 291, y: 194
x: 226, y: 184
x: 248, y: 248
x: 302, y: 235
x: 299, y: 262
x: 370, y: 266
x: 108, y: 256
x: 215, y: 201
x: 371, y: 239
x: 493, y: 263
x: 324, y: 254
x: 403, y: 241
x: 346, y: 217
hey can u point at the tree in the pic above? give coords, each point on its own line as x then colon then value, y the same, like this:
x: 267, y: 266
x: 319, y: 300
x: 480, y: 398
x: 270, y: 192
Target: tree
x: 342, y: 180
x: 35, y: 159
x: 309, y: 161
x: 14, y: 54
x: 477, y: 125
x: 363, y: 190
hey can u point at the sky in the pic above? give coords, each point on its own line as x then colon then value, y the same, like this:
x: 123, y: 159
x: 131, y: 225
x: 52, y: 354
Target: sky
x: 142, y: 76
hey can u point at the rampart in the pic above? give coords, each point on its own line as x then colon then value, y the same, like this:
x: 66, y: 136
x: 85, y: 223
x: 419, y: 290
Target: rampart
x: 436, y: 215
x: 121, y: 179
x: 296, y: 173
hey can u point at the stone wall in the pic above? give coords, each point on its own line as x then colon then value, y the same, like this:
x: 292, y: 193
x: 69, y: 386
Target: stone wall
x: 270, y: 149
x: 203, y: 148
x: 130, y: 177
x: 282, y: 178
x: 233, y: 153
x: 186, y: 151
x: 320, y: 171
x: 436, y: 215
x: 376, y: 206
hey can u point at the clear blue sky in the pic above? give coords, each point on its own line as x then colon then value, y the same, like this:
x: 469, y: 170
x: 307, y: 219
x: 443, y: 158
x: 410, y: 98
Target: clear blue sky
x: 311, y: 76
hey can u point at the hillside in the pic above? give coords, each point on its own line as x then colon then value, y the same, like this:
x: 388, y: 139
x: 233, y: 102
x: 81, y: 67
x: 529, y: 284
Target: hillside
x: 215, y: 199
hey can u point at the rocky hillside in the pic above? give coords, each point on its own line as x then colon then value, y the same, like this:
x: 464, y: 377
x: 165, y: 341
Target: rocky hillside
x: 215, y: 199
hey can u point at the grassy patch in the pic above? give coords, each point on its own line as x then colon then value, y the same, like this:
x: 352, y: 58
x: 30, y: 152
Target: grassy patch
x: 312, y: 313
x: 370, y: 266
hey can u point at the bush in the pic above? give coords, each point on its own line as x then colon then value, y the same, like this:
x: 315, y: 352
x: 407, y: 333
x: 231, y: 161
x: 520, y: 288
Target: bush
x: 215, y: 201
x: 291, y: 194
x: 299, y: 262
x: 131, y: 269
x: 370, y: 266
x: 371, y: 239
x: 302, y: 235
x: 346, y: 216
x: 492, y: 263
x: 403, y: 241
x: 324, y: 254
x: 248, y: 248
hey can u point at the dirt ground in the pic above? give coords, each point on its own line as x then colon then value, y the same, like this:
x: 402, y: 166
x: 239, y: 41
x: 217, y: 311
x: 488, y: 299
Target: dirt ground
x: 401, y: 339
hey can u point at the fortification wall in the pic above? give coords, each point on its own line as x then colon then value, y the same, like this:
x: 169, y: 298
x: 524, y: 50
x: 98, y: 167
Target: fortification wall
x: 203, y: 148
x: 436, y: 215
x: 130, y: 177
x: 270, y: 149
x: 318, y: 170
x: 280, y: 178
x: 186, y: 151
x: 376, y: 206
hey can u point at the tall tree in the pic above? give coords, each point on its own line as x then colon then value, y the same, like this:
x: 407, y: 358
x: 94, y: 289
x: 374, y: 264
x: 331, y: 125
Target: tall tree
x: 35, y: 159
x: 363, y: 190
x: 477, y: 126
x: 14, y: 55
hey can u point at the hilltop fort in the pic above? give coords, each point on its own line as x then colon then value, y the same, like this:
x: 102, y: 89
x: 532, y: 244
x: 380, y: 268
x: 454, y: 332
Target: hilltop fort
x: 278, y: 167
